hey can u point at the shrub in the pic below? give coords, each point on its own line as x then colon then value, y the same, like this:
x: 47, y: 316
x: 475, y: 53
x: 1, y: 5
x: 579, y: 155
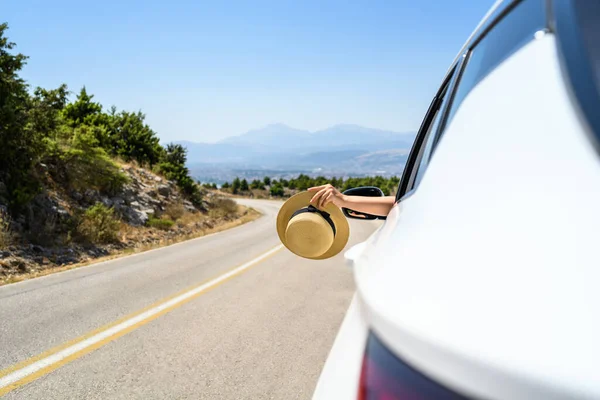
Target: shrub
x: 277, y: 190
x: 175, y: 211
x: 256, y: 184
x: 99, y: 225
x: 235, y: 185
x: 87, y: 166
x: 159, y: 223
x: 173, y: 167
x: 224, y: 208
x: 6, y: 236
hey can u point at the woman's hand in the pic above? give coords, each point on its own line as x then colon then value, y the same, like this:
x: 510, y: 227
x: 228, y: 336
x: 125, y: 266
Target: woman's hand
x: 326, y: 194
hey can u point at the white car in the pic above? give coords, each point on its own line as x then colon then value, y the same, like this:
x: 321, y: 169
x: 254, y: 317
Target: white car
x: 484, y: 280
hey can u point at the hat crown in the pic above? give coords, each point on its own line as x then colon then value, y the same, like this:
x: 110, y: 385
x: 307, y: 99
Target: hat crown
x: 309, y: 234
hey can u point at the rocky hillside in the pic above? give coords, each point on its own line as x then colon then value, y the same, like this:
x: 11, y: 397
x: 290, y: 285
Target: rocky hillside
x: 149, y: 210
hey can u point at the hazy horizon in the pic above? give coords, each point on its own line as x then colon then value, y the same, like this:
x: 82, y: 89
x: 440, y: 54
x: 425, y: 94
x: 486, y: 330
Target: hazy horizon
x: 205, y: 71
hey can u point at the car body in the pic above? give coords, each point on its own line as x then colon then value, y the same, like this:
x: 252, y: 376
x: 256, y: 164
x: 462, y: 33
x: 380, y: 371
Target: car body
x: 483, y: 282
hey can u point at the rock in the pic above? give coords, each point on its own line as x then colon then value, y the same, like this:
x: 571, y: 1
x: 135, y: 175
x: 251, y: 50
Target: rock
x: 136, y: 217
x: 66, y: 260
x: 165, y: 190
x: 158, y: 179
x: 117, y: 201
x: 106, y: 201
x: 75, y: 195
x: 91, y: 195
x: 37, y: 249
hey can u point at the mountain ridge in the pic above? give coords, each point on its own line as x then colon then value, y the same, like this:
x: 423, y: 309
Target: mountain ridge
x: 341, y: 148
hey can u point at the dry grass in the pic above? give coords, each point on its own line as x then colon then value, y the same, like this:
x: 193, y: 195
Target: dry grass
x: 224, y: 207
x: 250, y: 215
x: 175, y: 211
x: 6, y: 235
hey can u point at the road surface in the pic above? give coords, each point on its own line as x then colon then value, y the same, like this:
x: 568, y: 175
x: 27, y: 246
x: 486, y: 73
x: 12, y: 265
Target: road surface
x: 227, y: 316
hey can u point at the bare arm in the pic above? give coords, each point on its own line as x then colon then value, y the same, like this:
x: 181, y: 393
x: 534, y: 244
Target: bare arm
x: 370, y: 205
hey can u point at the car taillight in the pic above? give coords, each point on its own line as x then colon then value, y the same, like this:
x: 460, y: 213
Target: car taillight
x: 386, y: 377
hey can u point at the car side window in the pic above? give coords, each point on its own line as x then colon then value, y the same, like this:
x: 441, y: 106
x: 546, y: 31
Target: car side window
x: 509, y: 34
x: 423, y: 145
x: 512, y: 30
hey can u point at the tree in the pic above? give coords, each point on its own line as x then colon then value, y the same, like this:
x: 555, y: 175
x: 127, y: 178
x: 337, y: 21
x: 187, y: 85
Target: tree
x: 277, y: 190
x: 132, y: 139
x: 235, y: 185
x: 226, y: 185
x: 45, y: 114
x: 83, y: 110
x: 172, y: 166
x: 244, y: 185
x: 257, y: 184
x: 20, y: 144
x: 267, y: 181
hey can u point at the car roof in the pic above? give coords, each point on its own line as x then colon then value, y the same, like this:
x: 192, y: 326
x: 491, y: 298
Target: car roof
x: 480, y: 28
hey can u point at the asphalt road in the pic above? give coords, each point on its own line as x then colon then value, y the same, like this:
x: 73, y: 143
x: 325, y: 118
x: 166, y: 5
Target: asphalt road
x: 263, y: 333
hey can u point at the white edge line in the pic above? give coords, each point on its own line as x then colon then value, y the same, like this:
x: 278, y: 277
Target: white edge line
x: 100, y: 263
x: 61, y: 355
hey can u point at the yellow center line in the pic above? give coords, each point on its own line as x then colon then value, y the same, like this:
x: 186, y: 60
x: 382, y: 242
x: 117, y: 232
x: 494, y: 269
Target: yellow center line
x: 35, y: 367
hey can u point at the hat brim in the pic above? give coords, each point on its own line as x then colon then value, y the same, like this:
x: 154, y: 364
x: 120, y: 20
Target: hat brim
x: 302, y: 200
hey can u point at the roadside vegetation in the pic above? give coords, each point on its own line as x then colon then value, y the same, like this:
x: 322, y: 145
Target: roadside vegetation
x: 271, y: 187
x: 80, y: 182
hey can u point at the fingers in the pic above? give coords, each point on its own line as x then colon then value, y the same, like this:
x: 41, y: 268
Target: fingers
x: 317, y: 188
x: 326, y: 199
x: 317, y: 197
x: 324, y: 195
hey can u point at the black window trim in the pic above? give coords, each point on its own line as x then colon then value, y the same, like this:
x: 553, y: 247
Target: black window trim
x: 464, y: 61
x: 415, y: 152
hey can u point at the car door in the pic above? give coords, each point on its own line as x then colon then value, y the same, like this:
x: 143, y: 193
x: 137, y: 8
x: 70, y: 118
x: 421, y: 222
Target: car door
x: 416, y: 164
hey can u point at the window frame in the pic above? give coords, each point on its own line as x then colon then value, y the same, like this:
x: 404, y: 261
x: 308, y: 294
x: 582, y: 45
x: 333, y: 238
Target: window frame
x: 416, y: 153
x: 453, y: 80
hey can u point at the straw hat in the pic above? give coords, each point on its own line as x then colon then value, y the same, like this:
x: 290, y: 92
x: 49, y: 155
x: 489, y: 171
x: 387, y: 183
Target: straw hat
x: 310, y: 232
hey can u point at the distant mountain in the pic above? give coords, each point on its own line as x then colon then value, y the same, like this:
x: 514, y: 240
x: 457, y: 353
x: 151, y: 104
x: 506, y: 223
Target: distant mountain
x: 339, y: 149
x: 271, y: 136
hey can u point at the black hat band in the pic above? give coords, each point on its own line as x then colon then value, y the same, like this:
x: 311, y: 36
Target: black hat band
x: 323, y: 214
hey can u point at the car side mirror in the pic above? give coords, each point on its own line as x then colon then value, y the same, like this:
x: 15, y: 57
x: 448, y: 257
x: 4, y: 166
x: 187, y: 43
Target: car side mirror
x: 370, y: 191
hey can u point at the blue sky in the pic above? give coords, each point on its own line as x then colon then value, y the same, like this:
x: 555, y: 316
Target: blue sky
x: 206, y: 70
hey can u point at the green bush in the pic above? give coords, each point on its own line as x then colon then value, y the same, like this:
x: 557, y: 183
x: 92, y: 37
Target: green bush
x: 173, y: 168
x: 277, y: 190
x: 175, y: 211
x: 224, y: 208
x: 256, y: 184
x: 87, y: 166
x: 98, y: 224
x: 159, y: 223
